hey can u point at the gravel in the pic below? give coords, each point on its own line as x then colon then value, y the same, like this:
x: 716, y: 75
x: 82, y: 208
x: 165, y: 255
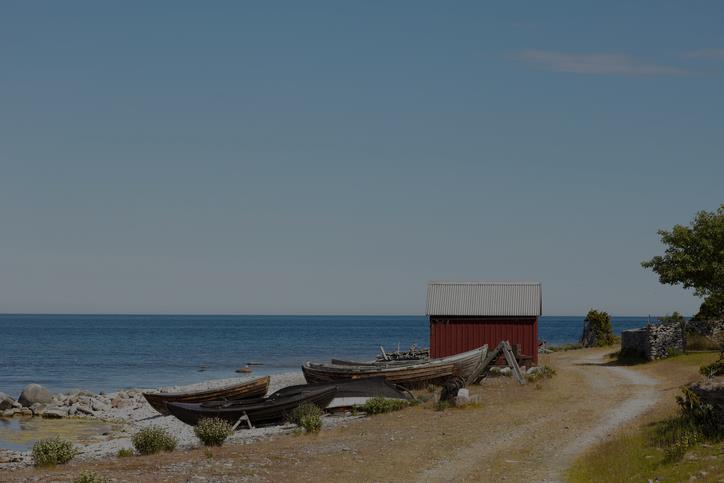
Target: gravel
x: 135, y: 413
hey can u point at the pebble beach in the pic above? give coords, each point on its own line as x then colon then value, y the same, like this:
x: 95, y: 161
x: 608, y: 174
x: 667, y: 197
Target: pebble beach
x: 128, y: 411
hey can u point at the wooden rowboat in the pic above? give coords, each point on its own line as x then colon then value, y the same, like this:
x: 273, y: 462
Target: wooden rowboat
x: 242, y: 390
x: 259, y: 411
x: 407, y: 375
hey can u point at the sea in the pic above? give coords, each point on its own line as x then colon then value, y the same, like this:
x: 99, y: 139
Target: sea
x: 112, y: 352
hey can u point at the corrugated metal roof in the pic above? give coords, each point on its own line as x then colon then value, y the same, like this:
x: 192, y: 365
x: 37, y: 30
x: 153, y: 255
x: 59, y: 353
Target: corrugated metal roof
x: 484, y: 298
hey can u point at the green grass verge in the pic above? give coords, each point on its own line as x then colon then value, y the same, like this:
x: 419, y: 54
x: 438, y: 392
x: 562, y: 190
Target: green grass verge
x: 635, y: 457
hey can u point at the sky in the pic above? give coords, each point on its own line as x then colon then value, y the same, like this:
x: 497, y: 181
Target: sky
x: 334, y: 157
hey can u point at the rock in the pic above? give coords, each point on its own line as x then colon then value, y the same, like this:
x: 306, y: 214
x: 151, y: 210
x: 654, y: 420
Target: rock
x: 9, y: 413
x: 6, y: 402
x: 494, y: 371
x: 73, y: 410
x: 506, y: 371
x: 34, y: 393
x: 463, y: 393
x: 533, y: 370
x: 38, y: 409
x: 83, y: 409
x: 55, y: 413
x: 120, y: 403
x: 25, y: 412
x: 98, y: 405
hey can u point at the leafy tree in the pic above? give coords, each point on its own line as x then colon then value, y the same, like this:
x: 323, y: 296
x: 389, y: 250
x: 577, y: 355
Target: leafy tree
x: 694, y: 258
x: 597, y: 329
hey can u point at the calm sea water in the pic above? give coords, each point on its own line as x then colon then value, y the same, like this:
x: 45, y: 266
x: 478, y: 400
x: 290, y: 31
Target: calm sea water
x: 110, y: 352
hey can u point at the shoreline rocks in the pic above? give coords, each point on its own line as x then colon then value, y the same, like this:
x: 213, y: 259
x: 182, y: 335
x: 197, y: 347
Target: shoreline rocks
x: 34, y: 394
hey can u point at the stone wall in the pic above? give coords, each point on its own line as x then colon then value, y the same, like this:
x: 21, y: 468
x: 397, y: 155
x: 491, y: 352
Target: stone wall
x: 653, y: 341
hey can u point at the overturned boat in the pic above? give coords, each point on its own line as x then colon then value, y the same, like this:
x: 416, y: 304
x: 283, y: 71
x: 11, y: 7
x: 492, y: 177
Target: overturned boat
x: 355, y: 392
x: 256, y: 412
x: 252, y: 388
x: 408, y: 374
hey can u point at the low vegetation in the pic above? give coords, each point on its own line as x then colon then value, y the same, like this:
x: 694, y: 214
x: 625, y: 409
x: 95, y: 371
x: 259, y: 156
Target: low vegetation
x: 53, y: 451
x: 213, y: 431
x: 712, y: 370
x: 542, y: 372
x: 153, y: 439
x: 379, y: 405
x: 90, y: 477
x: 565, y: 347
x: 599, y: 323
x: 125, y: 452
x: 307, y: 416
x: 682, y: 444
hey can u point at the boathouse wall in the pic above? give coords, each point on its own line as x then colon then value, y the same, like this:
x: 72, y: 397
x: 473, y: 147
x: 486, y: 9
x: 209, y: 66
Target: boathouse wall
x: 466, y: 315
x: 451, y: 335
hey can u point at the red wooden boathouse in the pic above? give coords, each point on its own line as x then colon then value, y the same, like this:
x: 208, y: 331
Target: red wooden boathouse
x: 466, y: 315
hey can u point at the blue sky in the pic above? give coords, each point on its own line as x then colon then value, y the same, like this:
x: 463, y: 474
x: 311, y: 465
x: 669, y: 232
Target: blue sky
x: 333, y: 157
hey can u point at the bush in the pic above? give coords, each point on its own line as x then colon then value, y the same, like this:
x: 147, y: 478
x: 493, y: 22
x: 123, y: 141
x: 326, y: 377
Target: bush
x: 307, y: 416
x: 90, y: 477
x: 379, y: 405
x: 600, y: 328
x: 153, y: 439
x: 212, y: 431
x: 125, y: 452
x: 713, y: 369
x: 53, y: 451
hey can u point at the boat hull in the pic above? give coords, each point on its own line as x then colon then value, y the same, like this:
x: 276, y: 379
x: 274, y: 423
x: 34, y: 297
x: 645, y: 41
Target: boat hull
x: 407, y: 375
x: 247, y: 389
x: 260, y: 412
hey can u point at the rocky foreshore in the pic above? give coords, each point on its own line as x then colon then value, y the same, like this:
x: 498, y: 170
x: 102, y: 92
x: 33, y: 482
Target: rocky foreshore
x: 127, y: 409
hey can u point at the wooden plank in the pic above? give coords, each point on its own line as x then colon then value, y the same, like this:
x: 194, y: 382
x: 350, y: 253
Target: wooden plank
x: 512, y: 363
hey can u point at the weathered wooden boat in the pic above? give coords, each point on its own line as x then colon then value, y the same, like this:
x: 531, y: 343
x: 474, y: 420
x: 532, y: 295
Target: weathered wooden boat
x: 252, y: 388
x: 405, y: 374
x: 354, y: 392
x: 343, y: 362
x: 259, y: 411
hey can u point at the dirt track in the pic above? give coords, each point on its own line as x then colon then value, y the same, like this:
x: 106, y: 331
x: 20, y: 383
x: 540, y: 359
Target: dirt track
x: 520, y: 433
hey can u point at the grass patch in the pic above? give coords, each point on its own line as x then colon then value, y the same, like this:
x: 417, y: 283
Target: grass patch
x: 565, y: 347
x: 542, y: 372
x: 695, y: 342
x: 90, y: 477
x: 675, y: 449
x: 125, y: 453
x: 52, y: 451
x: 714, y: 369
x: 307, y: 416
x: 153, y: 439
x: 379, y: 405
x: 212, y: 431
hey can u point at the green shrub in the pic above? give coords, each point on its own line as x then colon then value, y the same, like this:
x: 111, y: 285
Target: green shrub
x: 697, y: 342
x: 53, y: 451
x: 713, y: 369
x: 379, y: 405
x: 307, y: 416
x: 213, y: 431
x: 90, y: 477
x: 543, y: 372
x: 600, y: 324
x: 153, y: 439
x: 125, y: 452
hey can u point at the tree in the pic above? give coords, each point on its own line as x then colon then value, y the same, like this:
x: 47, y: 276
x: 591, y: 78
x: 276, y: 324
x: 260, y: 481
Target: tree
x: 694, y: 258
x: 597, y: 329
